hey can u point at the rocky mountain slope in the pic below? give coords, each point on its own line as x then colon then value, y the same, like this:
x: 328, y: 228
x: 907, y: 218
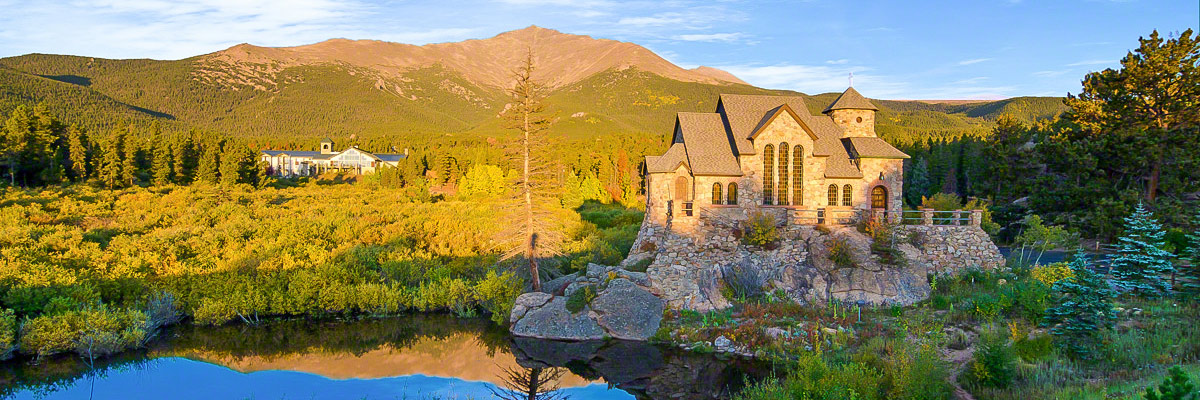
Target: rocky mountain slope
x: 289, y: 96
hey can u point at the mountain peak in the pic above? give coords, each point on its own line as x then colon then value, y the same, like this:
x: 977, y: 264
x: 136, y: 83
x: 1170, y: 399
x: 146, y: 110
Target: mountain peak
x: 562, y: 58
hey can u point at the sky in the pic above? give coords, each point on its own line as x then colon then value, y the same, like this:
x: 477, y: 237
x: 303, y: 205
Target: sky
x: 967, y: 49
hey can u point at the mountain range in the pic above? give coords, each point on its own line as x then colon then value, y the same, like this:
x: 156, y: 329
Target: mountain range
x: 289, y: 96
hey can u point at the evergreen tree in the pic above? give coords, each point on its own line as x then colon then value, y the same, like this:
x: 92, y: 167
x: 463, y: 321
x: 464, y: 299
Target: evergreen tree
x: 1191, y: 275
x: 1141, y: 263
x: 261, y: 177
x: 916, y: 184
x: 128, y: 153
x: 77, y: 154
x: 109, y: 169
x: 184, y: 158
x: 1082, y: 311
x: 572, y: 198
x: 206, y: 168
x: 163, y: 163
x: 231, y: 164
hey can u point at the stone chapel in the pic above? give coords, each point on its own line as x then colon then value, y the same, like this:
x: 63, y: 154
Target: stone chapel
x: 770, y: 154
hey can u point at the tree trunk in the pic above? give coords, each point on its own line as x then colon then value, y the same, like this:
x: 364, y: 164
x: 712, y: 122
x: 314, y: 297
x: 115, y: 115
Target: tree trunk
x: 531, y: 253
x: 1152, y: 185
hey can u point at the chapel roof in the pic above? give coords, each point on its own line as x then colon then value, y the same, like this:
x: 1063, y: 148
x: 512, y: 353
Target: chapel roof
x: 850, y: 99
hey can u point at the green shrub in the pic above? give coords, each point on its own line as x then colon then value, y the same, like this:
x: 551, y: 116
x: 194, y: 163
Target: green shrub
x: 497, y: 293
x: 580, y: 298
x: 839, y: 253
x: 640, y: 266
x: 1176, y: 386
x: 995, y: 362
x: 8, y: 333
x: 91, y: 332
x: 213, y: 312
x: 760, y: 230
x: 1034, y: 348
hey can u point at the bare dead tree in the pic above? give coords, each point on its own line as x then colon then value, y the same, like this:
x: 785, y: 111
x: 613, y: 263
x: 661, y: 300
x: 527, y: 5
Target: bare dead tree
x: 530, y: 384
x: 533, y: 230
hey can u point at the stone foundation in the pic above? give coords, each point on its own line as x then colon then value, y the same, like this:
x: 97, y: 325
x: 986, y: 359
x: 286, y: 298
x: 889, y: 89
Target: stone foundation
x: 688, y: 263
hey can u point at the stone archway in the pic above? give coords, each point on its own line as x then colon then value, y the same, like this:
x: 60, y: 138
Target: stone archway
x: 879, y: 198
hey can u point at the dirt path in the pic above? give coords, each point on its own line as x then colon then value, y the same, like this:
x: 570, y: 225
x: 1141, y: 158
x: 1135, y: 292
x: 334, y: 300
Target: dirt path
x: 958, y: 359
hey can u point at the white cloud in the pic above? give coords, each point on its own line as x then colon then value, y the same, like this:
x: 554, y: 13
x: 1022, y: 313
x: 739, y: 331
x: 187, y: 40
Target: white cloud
x: 838, y: 62
x: 973, y: 61
x: 173, y: 29
x: 971, y: 81
x: 812, y: 78
x: 710, y: 37
x: 1050, y: 74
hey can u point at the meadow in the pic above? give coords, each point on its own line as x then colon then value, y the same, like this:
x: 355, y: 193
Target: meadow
x: 96, y: 271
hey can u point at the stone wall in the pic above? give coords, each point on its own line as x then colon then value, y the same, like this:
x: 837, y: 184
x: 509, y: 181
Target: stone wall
x: 951, y: 248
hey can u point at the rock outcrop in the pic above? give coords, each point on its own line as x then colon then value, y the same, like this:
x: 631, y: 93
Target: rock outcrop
x: 624, y: 307
x: 691, y: 267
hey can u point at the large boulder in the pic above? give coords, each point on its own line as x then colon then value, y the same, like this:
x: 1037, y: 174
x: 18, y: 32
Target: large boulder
x: 553, y: 321
x: 625, y: 307
x: 628, y: 312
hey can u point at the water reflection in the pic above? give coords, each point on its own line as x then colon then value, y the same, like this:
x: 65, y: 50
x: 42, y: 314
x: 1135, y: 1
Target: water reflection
x: 412, y: 357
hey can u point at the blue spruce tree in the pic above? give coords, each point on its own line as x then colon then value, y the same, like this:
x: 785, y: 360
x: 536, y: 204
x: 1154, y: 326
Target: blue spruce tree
x: 1083, y: 309
x: 1191, y: 275
x: 1141, y: 264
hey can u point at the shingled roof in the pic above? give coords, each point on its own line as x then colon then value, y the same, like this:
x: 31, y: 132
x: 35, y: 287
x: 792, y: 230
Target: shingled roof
x: 669, y: 160
x: 707, y: 144
x: 872, y: 147
x: 710, y: 143
x: 850, y: 99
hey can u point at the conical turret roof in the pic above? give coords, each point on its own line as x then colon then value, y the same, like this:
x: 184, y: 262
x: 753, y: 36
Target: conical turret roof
x: 850, y: 99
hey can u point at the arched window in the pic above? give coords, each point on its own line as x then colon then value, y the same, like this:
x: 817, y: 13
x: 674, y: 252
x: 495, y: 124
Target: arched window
x: 833, y: 195
x: 846, y: 195
x: 798, y: 176
x: 732, y: 194
x: 879, y: 197
x: 768, y: 174
x: 783, y: 174
x: 716, y: 194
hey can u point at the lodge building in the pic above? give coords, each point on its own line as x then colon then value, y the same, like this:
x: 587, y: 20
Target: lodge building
x: 306, y: 163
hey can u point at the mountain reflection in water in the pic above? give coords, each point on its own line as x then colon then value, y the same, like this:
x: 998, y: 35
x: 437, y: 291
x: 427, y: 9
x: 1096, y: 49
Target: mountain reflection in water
x: 416, y: 357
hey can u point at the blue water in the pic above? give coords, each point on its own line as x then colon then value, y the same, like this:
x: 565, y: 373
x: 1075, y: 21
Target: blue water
x: 184, y: 379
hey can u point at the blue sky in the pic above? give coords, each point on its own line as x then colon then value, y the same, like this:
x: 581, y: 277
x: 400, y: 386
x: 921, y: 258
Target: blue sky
x: 896, y: 49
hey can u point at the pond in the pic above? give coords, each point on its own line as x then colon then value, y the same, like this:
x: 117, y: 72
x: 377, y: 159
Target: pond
x: 416, y: 357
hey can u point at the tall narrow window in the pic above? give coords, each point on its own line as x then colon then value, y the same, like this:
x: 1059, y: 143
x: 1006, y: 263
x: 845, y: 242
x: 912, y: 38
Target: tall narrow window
x: 798, y: 176
x: 768, y: 174
x: 783, y: 174
x: 681, y: 189
x: 716, y: 194
x: 833, y: 195
x: 846, y: 195
x: 732, y: 194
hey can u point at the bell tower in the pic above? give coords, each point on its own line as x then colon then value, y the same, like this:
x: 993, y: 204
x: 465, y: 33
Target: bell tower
x: 326, y: 146
x: 854, y: 113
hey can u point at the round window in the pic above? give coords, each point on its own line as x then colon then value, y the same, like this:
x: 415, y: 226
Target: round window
x: 859, y: 120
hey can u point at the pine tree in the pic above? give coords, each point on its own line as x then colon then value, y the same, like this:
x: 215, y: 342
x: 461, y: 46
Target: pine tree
x: 206, y: 169
x: 77, y: 154
x: 128, y: 152
x: 231, y: 164
x: 163, y: 163
x: 572, y: 198
x: 109, y: 169
x: 916, y: 184
x: 1190, y: 276
x: 185, y: 159
x: 533, y: 228
x: 261, y: 177
x: 1141, y: 264
x: 1083, y: 309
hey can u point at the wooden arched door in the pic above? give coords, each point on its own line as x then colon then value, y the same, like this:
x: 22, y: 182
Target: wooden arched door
x: 879, y: 198
x: 681, y: 189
